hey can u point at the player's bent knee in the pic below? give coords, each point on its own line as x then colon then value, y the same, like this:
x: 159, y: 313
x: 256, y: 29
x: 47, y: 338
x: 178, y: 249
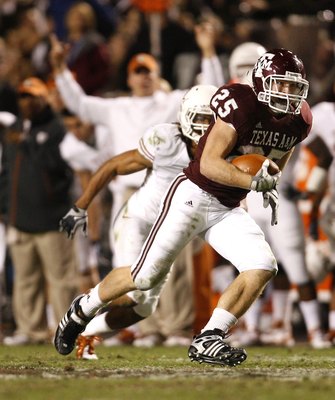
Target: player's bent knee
x: 271, y: 265
x: 147, y: 308
x: 266, y: 265
x: 145, y: 283
x: 274, y: 269
x: 152, y: 277
x: 271, y: 262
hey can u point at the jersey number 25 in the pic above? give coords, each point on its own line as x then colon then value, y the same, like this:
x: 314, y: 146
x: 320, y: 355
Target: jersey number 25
x: 227, y: 106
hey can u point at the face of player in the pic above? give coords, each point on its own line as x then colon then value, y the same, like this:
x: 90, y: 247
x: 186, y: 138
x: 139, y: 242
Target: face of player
x: 203, y: 119
x: 200, y: 123
x: 286, y: 87
x: 199, y: 127
x: 286, y: 90
x: 143, y: 82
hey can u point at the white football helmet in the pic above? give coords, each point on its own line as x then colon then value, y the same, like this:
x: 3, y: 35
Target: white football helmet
x: 195, y: 111
x: 242, y: 61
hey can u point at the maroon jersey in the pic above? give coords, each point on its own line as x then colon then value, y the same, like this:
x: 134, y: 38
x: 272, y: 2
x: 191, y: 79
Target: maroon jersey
x: 258, y: 131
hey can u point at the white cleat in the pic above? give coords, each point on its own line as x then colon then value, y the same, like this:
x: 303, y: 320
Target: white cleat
x: 148, y: 341
x: 85, y: 347
x: 278, y: 337
x: 245, y: 338
x: 172, y: 341
x: 317, y: 340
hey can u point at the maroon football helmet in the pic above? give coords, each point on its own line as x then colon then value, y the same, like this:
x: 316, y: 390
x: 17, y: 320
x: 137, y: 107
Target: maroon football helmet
x: 279, y: 81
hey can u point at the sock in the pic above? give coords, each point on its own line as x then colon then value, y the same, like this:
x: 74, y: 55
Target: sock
x: 220, y: 319
x: 279, y: 304
x: 310, y: 312
x: 97, y: 326
x: 252, y: 316
x: 331, y: 321
x: 91, y: 302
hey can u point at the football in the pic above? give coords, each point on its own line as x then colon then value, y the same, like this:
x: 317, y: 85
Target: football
x: 252, y: 163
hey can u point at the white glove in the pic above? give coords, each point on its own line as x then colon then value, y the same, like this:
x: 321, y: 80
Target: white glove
x: 263, y: 181
x: 74, y: 219
x: 271, y: 197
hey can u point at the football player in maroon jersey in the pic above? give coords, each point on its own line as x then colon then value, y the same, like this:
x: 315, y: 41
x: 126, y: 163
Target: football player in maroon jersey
x: 287, y: 242
x: 269, y: 119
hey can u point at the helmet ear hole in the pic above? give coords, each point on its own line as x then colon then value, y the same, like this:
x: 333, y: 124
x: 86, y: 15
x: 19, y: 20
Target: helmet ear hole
x: 195, y: 111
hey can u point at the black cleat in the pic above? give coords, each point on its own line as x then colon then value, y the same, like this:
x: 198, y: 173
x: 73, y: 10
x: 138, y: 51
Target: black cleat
x: 210, y: 347
x: 72, y: 324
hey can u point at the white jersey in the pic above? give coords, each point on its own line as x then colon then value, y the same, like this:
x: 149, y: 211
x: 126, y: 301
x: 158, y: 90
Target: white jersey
x: 80, y: 155
x: 163, y: 146
x: 127, y: 118
x: 324, y: 126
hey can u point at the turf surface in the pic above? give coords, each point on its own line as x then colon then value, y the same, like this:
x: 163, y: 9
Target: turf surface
x: 121, y: 373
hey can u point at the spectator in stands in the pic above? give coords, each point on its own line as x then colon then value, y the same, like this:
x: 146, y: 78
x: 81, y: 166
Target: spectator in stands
x: 87, y: 57
x: 128, y: 117
x: 35, y: 192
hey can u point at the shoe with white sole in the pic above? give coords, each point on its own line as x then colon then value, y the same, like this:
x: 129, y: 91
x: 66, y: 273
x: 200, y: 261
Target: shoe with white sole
x: 172, y: 341
x: 245, y: 338
x: 211, y: 348
x: 70, y: 327
x: 18, y: 339
x: 85, y: 346
x: 317, y: 340
x: 278, y: 337
x: 148, y: 341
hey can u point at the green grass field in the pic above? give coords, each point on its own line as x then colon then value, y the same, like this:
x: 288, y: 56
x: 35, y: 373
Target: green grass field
x: 121, y: 373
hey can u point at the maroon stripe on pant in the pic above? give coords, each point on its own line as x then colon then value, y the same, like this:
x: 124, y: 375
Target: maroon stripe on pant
x: 157, y: 224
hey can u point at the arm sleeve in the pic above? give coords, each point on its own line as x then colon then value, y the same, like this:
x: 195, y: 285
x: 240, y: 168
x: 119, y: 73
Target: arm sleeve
x: 212, y: 72
x: 79, y: 155
x: 148, y: 143
x: 89, y: 108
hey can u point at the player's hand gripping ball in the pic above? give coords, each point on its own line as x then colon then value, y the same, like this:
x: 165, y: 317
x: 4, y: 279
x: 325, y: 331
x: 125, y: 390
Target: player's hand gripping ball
x: 252, y: 163
x: 265, y: 177
x: 265, y: 173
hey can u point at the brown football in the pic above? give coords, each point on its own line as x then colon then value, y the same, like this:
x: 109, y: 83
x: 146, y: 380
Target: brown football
x: 252, y: 163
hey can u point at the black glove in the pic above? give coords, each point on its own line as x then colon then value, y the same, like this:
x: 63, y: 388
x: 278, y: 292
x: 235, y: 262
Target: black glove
x: 263, y: 181
x: 74, y: 219
x: 271, y: 197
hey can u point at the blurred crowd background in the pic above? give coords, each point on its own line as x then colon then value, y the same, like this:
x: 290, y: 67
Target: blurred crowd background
x: 103, y: 35
x: 165, y: 29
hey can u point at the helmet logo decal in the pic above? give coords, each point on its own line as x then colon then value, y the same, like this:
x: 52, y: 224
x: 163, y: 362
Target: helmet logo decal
x: 265, y: 62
